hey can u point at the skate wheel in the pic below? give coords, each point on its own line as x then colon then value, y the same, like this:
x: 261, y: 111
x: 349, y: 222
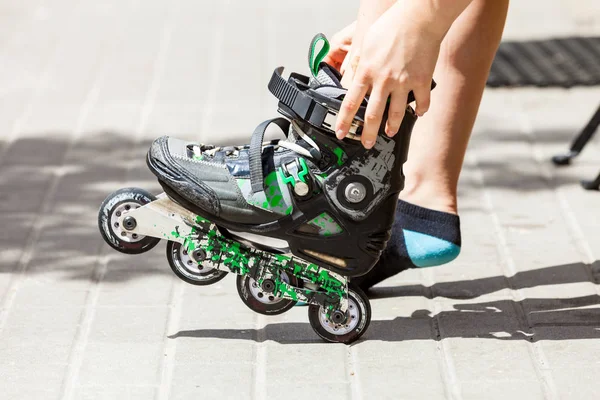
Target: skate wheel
x: 261, y: 301
x: 358, y: 317
x: 115, y: 205
x: 189, y: 270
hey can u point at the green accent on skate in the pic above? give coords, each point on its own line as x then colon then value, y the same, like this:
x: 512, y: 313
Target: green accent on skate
x: 321, y: 177
x: 175, y: 234
x: 273, y: 194
x: 226, y: 254
x: 271, y: 199
x: 301, y: 175
x: 284, y: 289
x: 189, y: 241
x: 340, y: 154
x: 198, y: 158
x: 281, y: 258
x: 189, y: 244
x: 313, y: 60
x: 326, y: 224
x: 286, y: 179
x: 236, y: 258
x: 304, y: 171
x: 242, y: 184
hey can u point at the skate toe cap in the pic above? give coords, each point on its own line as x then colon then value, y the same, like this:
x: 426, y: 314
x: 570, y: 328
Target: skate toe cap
x: 169, y: 160
x: 165, y: 147
x: 158, y: 150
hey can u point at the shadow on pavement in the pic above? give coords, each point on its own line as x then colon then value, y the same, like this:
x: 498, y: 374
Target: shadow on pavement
x: 531, y: 319
x: 51, y: 187
x: 50, y: 191
x: 473, y: 288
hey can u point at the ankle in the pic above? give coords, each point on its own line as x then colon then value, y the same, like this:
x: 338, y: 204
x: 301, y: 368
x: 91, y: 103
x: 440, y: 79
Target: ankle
x: 430, y: 196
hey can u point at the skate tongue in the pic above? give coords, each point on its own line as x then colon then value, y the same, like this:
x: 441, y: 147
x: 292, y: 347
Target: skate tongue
x: 328, y: 76
x: 323, y: 73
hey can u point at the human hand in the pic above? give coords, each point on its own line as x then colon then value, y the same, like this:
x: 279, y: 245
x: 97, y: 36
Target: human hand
x: 398, y: 55
x: 340, y: 44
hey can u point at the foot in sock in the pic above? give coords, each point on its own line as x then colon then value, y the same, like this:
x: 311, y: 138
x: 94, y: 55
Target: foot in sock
x: 421, y: 237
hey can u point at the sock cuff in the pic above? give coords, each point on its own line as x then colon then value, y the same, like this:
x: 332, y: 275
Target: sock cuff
x: 427, y: 213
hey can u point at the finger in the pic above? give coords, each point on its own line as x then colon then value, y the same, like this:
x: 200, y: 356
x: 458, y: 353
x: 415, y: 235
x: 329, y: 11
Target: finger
x: 344, y: 65
x: 373, y: 115
x: 348, y: 32
x: 350, y: 105
x: 340, y: 46
x: 345, y: 36
x: 349, y: 67
x: 336, y: 57
x: 423, y: 97
x: 396, y: 112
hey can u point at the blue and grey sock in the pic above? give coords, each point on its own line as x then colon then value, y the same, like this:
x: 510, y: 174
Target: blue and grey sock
x: 421, y: 237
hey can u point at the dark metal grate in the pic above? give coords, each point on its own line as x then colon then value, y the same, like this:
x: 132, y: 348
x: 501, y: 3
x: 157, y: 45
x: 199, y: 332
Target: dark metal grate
x: 562, y: 62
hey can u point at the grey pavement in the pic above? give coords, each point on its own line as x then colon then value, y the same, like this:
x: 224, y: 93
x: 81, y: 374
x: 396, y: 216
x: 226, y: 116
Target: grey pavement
x: 86, y: 85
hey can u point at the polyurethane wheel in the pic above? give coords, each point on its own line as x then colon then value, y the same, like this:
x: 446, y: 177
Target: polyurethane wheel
x: 114, y: 206
x: 350, y: 327
x: 189, y: 270
x: 260, y: 298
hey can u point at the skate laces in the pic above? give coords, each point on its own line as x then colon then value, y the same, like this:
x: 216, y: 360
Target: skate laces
x: 294, y: 135
x: 301, y: 135
x: 199, y: 150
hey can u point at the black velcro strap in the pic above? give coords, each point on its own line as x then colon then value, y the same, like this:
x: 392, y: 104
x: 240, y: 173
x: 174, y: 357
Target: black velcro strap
x: 282, y: 89
x: 255, y: 151
x: 304, y: 106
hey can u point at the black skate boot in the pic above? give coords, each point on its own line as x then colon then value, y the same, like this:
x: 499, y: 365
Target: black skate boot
x: 293, y: 218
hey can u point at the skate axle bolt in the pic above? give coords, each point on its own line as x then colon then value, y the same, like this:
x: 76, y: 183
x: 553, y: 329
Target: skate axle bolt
x: 355, y: 192
x: 301, y: 189
x: 338, y: 317
x: 129, y: 223
x: 198, y: 255
x: 268, y: 285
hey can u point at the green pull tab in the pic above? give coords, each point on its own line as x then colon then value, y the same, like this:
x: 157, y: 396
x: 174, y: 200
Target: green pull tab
x: 315, y: 59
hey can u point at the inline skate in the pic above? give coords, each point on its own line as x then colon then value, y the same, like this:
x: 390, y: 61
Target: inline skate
x: 295, y: 219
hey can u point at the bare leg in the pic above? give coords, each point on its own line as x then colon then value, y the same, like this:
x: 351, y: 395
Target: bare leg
x: 426, y: 232
x: 440, y: 138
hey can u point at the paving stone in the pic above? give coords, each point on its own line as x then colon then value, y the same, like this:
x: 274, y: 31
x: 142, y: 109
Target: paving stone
x: 231, y: 382
x: 499, y: 389
x: 125, y: 363
x: 114, y: 392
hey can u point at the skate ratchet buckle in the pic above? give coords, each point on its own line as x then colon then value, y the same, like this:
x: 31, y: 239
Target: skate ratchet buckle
x: 298, y: 100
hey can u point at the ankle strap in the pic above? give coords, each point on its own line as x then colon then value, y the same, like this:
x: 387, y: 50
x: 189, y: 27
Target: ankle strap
x: 294, y: 97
